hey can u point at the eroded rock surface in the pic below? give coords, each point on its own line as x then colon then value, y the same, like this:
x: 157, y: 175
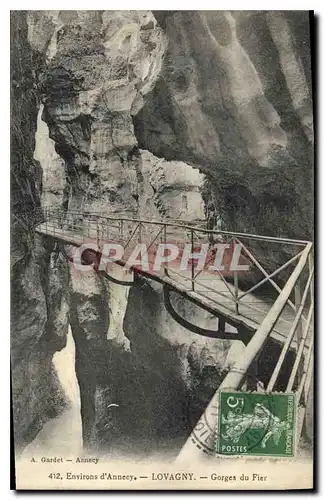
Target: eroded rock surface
x: 234, y: 98
x: 89, y: 99
x: 179, y: 115
x: 38, y: 306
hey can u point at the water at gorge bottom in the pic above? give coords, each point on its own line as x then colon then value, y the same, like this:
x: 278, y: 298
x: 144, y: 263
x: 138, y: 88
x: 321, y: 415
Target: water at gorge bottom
x: 62, y: 435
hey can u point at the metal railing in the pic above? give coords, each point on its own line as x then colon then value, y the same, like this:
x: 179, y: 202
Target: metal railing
x: 129, y: 232
x: 299, y: 374
x: 295, y: 294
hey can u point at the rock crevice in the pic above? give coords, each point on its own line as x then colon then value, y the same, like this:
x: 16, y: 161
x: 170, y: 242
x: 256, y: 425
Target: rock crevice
x: 164, y: 115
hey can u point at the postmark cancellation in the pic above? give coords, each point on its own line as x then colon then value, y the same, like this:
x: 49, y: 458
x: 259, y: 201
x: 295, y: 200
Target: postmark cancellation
x: 254, y: 423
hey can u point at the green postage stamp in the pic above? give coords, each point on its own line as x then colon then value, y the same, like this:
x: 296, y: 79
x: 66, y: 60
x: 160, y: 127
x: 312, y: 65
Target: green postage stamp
x: 255, y: 423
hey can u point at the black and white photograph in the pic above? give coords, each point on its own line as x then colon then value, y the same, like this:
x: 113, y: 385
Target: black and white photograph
x: 162, y: 249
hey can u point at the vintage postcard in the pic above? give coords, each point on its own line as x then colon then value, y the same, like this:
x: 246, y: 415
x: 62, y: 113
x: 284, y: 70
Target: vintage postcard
x: 162, y: 194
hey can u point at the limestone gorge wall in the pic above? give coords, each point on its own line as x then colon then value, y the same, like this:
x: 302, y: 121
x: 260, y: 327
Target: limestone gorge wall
x: 234, y: 97
x: 38, y: 306
x: 179, y: 115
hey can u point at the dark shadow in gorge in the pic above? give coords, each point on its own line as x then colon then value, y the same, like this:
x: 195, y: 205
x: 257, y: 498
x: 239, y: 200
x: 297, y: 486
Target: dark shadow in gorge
x: 148, y: 384
x: 159, y: 401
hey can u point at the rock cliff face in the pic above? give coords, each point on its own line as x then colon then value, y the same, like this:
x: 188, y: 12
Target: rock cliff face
x: 234, y: 97
x: 179, y: 115
x: 105, y: 171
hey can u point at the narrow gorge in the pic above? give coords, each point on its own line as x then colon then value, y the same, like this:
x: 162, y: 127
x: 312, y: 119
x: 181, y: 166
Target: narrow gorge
x: 179, y: 116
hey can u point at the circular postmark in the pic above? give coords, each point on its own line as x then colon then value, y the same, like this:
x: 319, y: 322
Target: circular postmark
x: 236, y: 423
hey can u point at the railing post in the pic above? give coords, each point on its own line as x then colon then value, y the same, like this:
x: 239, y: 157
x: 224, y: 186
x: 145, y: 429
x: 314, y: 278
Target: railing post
x: 192, y: 262
x: 299, y: 329
x: 236, y: 291
x: 140, y: 232
x: 310, y: 270
x: 165, y: 238
x: 54, y: 220
x: 303, y: 398
x: 98, y: 232
x: 57, y: 217
x: 102, y: 225
x: 107, y: 229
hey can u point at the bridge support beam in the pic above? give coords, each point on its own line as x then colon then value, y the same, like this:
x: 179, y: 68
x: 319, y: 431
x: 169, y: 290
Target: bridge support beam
x: 215, y: 334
